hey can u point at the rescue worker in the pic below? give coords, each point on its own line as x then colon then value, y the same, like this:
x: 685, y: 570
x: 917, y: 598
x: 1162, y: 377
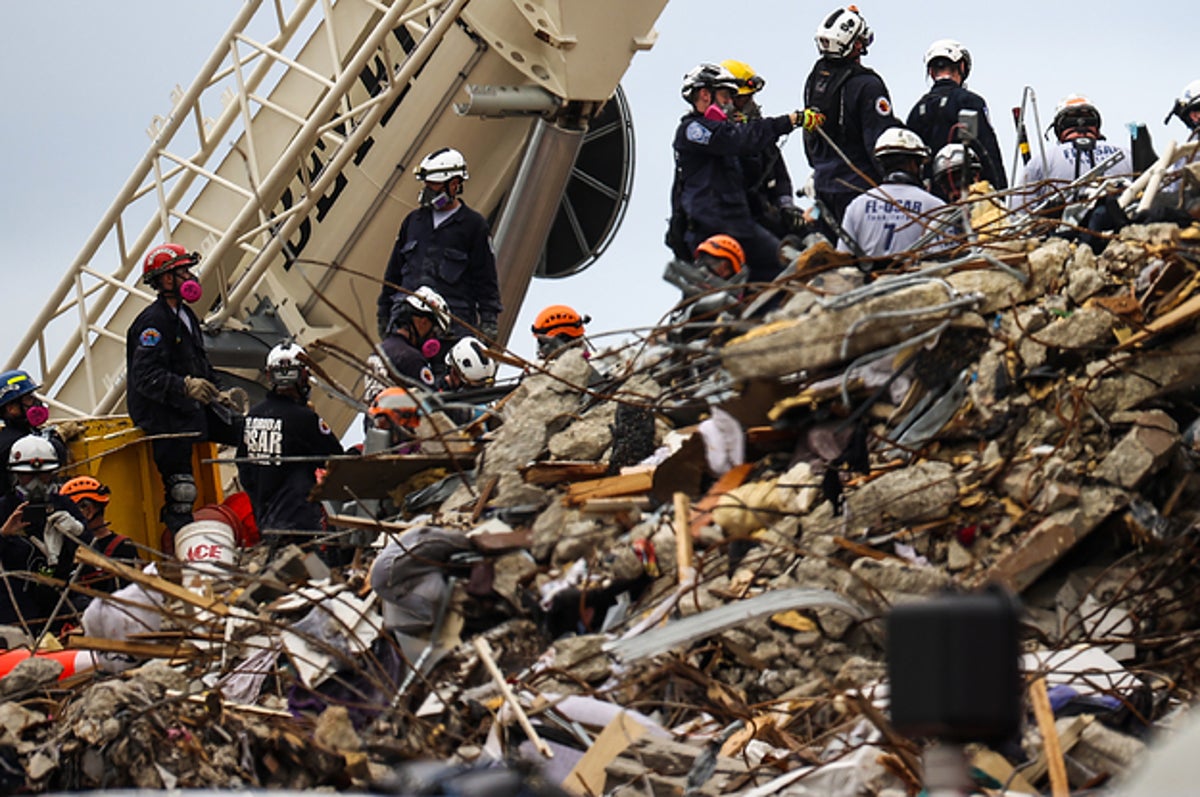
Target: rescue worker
x: 558, y: 327
x: 38, y: 536
x: 857, y: 109
x: 445, y: 245
x: 172, y: 389
x: 23, y: 413
x: 469, y: 365
x: 92, y: 497
x: 768, y: 184
x: 396, y: 412
x: 284, y: 443
x: 1187, y: 109
x: 954, y: 168
x: 419, y: 320
x: 709, y: 194
x: 935, y: 119
x: 891, y: 218
x: 1081, y: 147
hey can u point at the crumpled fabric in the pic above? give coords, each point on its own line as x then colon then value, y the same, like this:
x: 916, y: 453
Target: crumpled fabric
x: 724, y: 442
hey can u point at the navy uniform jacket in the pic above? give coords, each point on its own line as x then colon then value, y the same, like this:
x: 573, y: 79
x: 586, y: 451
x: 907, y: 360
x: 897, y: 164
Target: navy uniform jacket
x: 159, y: 352
x: 407, y: 359
x: 711, y: 184
x: 857, y: 109
x: 455, y: 259
x: 937, y: 112
x: 280, y: 426
x: 31, y: 600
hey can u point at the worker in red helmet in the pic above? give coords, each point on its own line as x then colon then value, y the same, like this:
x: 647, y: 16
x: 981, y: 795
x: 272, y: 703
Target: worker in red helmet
x: 92, y: 497
x: 171, y: 389
x: 557, y: 327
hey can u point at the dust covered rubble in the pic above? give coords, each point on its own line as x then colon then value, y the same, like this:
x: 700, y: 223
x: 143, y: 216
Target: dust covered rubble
x: 682, y: 563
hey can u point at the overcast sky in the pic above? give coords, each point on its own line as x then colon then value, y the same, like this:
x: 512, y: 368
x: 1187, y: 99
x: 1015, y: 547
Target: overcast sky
x: 80, y: 82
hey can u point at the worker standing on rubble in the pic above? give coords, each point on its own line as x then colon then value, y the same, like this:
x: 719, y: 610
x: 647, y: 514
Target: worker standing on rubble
x: 558, y: 327
x: 857, y: 109
x: 768, y: 184
x: 172, y: 390
x: 283, y: 438
x: 891, y: 218
x: 1187, y: 109
x: 1081, y: 148
x: 445, y: 245
x: 709, y: 193
x: 38, y: 536
x: 92, y: 498
x: 935, y: 117
x: 418, y: 322
x: 23, y: 414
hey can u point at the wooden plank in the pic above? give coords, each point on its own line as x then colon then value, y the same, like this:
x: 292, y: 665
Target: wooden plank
x: 87, y: 556
x: 683, y: 538
x: 622, y: 484
x: 997, y: 767
x: 375, y: 476
x: 1185, y: 312
x: 485, y: 495
x: 547, y: 473
x: 860, y: 550
x: 148, y: 650
x: 734, y: 477
x: 587, y: 777
x: 1040, y: 700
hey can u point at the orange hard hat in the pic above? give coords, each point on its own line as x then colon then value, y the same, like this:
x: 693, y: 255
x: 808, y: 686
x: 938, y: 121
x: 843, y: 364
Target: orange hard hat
x: 559, y: 319
x: 82, y: 487
x: 724, y: 247
x: 396, y: 405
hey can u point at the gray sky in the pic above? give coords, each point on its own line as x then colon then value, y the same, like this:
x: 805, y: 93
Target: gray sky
x: 80, y: 82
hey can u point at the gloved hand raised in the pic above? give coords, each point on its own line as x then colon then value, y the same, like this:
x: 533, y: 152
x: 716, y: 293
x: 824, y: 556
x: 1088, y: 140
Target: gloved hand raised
x: 809, y: 118
x: 200, y: 389
x: 59, y: 526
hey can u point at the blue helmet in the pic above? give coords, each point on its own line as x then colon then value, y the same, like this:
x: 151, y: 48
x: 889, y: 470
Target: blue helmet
x: 14, y: 384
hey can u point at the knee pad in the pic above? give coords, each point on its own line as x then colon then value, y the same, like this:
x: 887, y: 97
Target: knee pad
x: 181, y: 492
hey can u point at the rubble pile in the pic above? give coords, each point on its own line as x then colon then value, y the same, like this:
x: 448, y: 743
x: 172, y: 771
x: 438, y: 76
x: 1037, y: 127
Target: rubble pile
x: 667, y: 569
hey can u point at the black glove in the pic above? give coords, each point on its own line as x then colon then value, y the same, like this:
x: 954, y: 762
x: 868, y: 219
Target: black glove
x: 381, y: 326
x: 792, y: 218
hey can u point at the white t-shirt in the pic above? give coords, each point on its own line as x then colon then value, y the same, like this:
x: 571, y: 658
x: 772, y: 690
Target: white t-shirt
x: 889, y: 219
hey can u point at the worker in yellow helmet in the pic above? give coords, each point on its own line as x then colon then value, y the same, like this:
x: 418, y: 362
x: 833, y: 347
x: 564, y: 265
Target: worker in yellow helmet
x: 768, y: 184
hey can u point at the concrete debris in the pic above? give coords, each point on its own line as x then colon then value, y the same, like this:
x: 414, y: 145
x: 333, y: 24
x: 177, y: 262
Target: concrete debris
x: 677, y: 557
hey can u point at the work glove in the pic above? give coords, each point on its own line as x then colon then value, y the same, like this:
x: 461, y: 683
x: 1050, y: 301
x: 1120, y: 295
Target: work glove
x: 489, y: 326
x: 200, y: 389
x: 809, y: 118
x: 235, y: 398
x: 59, y: 526
x: 793, y: 218
x: 69, y: 430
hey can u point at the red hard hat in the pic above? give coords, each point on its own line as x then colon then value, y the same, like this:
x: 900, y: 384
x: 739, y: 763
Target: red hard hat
x: 166, y: 257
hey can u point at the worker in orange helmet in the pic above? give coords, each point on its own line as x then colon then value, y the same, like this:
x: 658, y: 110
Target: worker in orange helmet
x: 557, y: 327
x: 92, y: 497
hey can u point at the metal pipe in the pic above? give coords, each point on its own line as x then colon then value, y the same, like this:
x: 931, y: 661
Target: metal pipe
x: 521, y: 233
x: 501, y: 101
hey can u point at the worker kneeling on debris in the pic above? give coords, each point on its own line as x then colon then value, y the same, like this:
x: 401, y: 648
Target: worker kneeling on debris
x: 39, y: 535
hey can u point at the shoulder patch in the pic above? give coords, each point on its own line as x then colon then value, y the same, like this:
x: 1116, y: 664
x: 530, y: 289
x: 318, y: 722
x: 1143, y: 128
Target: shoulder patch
x: 698, y: 133
x: 150, y: 337
x: 883, y: 107
x: 324, y: 427
x: 427, y: 375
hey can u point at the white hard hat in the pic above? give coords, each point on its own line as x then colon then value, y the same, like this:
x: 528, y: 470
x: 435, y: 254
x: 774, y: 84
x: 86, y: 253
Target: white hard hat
x: 1070, y: 109
x: 837, y: 33
x: 285, y: 366
x: 950, y: 159
x: 32, y: 454
x: 440, y: 166
x: 708, y: 76
x: 952, y: 51
x: 470, y: 358
x: 427, y: 301
x: 900, y: 141
x: 1188, y: 101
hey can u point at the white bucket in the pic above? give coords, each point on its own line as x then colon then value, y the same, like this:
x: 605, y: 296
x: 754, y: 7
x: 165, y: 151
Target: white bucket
x: 204, y: 545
